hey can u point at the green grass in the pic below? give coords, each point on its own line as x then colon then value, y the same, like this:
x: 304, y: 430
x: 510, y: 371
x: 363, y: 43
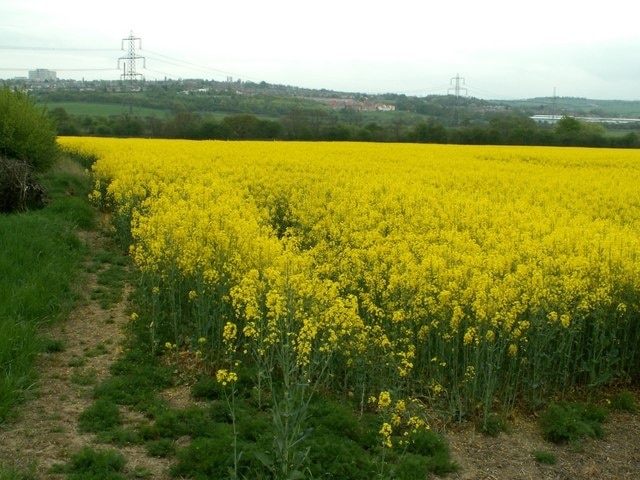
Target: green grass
x: 11, y: 473
x: 90, y: 464
x: 106, y: 109
x: 41, y: 258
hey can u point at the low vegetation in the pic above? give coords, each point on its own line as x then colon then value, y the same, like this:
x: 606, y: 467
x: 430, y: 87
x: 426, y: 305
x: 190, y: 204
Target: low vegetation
x: 34, y: 293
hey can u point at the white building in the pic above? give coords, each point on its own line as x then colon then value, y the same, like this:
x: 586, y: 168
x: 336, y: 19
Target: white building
x: 42, y: 75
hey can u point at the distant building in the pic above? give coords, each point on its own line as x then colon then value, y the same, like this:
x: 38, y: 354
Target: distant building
x: 42, y: 75
x: 553, y: 119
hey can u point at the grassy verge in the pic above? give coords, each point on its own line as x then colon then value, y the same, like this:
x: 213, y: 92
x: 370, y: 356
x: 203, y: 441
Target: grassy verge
x: 41, y: 255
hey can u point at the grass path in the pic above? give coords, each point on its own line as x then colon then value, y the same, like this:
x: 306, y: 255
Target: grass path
x: 45, y: 431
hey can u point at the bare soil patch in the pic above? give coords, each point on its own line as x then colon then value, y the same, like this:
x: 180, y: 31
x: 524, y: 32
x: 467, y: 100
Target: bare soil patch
x: 510, y: 455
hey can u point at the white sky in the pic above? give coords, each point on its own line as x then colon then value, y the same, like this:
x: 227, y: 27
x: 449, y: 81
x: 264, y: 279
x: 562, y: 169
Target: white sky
x: 503, y: 49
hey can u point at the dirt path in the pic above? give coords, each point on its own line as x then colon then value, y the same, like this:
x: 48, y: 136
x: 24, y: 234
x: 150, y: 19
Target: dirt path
x: 510, y: 456
x: 46, y: 430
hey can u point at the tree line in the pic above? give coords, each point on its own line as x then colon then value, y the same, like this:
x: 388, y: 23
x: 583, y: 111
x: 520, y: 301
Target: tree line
x: 319, y: 125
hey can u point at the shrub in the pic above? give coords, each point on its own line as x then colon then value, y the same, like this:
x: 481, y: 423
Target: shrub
x: 26, y: 132
x: 27, y: 146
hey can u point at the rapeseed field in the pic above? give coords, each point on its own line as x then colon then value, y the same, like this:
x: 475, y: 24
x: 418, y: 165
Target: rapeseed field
x: 469, y: 277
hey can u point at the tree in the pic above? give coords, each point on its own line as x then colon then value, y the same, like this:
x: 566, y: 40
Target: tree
x: 514, y: 129
x: 570, y: 131
x: 429, y: 132
x: 241, y: 126
x: 63, y: 121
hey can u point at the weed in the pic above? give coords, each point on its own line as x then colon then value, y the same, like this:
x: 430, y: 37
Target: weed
x: 77, y: 362
x: 430, y: 444
x: 141, y: 472
x: 50, y: 345
x: 102, y: 415
x: 254, y: 426
x: 136, y: 379
x: 207, y: 388
x: 120, y: 436
x: 206, y: 457
x: 624, y: 401
x: 412, y: 467
x: 570, y: 422
x: 334, y: 456
x: 334, y: 417
x: 163, y: 447
x: 492, y: 425
x: 172, y: 424
x: 546, y: 458
x: 90, y: 464
x: 99, y: 349
x: 84, y: 378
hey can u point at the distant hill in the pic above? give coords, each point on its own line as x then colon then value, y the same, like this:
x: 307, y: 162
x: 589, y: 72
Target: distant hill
x: 196, y: 108
x: 575, y: 106
x: 275, y: 100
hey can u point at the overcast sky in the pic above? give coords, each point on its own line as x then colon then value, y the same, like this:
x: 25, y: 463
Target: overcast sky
x: 502, y: 49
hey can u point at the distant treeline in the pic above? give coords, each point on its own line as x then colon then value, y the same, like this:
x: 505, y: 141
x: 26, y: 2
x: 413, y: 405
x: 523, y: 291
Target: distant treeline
x: 316, y: 124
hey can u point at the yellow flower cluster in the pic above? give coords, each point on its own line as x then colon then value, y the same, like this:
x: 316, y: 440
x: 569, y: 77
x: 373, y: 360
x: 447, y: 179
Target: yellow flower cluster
x: 385, y: 256
x: 405, y: 418
x: 224, y: 377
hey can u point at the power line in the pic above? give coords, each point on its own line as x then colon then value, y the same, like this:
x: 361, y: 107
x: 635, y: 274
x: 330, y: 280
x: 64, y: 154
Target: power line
x: 5, y: 69
x: 183, y: 63
x: 55, y: 49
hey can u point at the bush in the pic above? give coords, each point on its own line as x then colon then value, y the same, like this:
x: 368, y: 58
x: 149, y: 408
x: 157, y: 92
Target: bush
x: 26, y: 131
x: 27, y: 146
x: 18, y: 188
